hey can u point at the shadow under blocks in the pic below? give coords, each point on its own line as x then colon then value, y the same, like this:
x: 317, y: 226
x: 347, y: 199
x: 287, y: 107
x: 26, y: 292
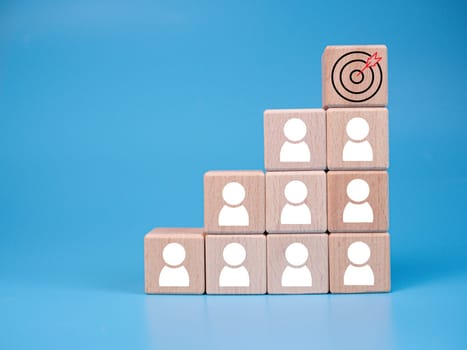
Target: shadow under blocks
x: 316, y: 220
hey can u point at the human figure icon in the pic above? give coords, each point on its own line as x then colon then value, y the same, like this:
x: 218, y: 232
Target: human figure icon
x: 358, y: 272
x: 295, y: 211
x: 295, y: 149
x: 357, y: 149
x: 174, y: 274
x: 234, y: 274
x: 358, y: 210
x: 233, y: 213
x: 296, y: 274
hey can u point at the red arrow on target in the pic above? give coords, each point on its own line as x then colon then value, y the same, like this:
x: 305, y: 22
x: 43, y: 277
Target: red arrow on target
x: 370, y: 62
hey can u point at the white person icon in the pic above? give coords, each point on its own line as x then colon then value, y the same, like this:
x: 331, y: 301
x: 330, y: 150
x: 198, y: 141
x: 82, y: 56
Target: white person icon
x: 295, y: 149
x: 295, y: 211
x: 357, y: 209
x: 357, y: 148
x: 359, y: 273
x: 296, y: 273
x: 174, y: 274
x: 234, y: 274
x: 233, y: 213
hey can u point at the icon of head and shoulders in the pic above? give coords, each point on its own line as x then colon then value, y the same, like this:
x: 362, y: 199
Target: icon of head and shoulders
x: 295, y: 211
x: 357, y: 149
x: 296, y: 273
x: 358, y: 210
x: 174, y: 274
x: 234, y: 274
x: 233, y: 212
x: 358, y: 272
x: 295, y: 149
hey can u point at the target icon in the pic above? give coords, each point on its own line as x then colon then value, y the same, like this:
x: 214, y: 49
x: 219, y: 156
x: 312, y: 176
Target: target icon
x: 357, y: 76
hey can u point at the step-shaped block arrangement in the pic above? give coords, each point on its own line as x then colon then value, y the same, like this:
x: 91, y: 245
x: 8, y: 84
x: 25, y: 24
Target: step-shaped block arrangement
x: 317, y: 221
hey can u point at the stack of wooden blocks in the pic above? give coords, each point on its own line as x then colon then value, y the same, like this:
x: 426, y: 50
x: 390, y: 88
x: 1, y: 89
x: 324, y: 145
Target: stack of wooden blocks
x: 317, y: 221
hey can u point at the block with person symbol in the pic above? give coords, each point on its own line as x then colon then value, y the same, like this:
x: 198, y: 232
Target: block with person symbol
x: 294, y: 139
x: 234, y: 202
x: 358, y: 201
x: 174, y: 261
x: 296, y: 202
x: 355, y: 76
x: 297, y: 263
x: 357, y: 138
x: 359, y: 262
x: 236, y: 264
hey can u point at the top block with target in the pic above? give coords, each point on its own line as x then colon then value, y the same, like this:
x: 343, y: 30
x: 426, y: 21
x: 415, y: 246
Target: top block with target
x: 355, y: 76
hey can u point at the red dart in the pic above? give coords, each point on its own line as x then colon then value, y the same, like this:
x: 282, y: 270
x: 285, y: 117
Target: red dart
x: 370, y: 62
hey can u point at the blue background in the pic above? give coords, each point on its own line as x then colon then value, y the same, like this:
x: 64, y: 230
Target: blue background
x: 110, y: 113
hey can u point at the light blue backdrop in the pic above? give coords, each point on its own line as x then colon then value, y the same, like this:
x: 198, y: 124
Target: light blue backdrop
x: 110, y: 113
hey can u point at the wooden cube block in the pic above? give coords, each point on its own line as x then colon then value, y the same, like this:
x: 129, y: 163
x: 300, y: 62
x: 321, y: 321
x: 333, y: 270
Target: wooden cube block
x: 235, y: 264
x: 296, y: 202
x: 174, y: 261
x: 234, y: 202
x: 358, y: 201
x: 294, y: 139
x: 297, y: 263
x: 355, y: 76
x: 357, y: 138
x: 359, y: 262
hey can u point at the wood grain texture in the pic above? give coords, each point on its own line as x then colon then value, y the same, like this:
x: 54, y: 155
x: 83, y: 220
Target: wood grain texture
x: 338, y: 199
x: 254, y: 263
x: 317, y: 262
x: 338, y: 138
x: 276, y: 200
x: 254, y: 186
x: 275, y: 138
x: 379, y: 261
x: 192, y: 239
x: 344, y: 86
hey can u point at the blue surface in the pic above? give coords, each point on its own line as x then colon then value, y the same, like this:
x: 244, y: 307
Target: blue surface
x: 110, y: 113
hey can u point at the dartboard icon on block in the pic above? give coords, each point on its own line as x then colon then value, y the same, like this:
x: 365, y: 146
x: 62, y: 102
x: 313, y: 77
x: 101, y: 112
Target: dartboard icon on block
x: 355, y: 75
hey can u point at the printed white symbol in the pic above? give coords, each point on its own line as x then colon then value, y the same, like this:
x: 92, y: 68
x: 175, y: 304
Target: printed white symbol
x: 295, y: 149
x: 174, y: 274
x: 234, y: 274
x: 358, y: 191
x: 295, y: 211
x: 356, y: 149
x: 297, y: 273
x: 233, y: 213
x: 359, y: 273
